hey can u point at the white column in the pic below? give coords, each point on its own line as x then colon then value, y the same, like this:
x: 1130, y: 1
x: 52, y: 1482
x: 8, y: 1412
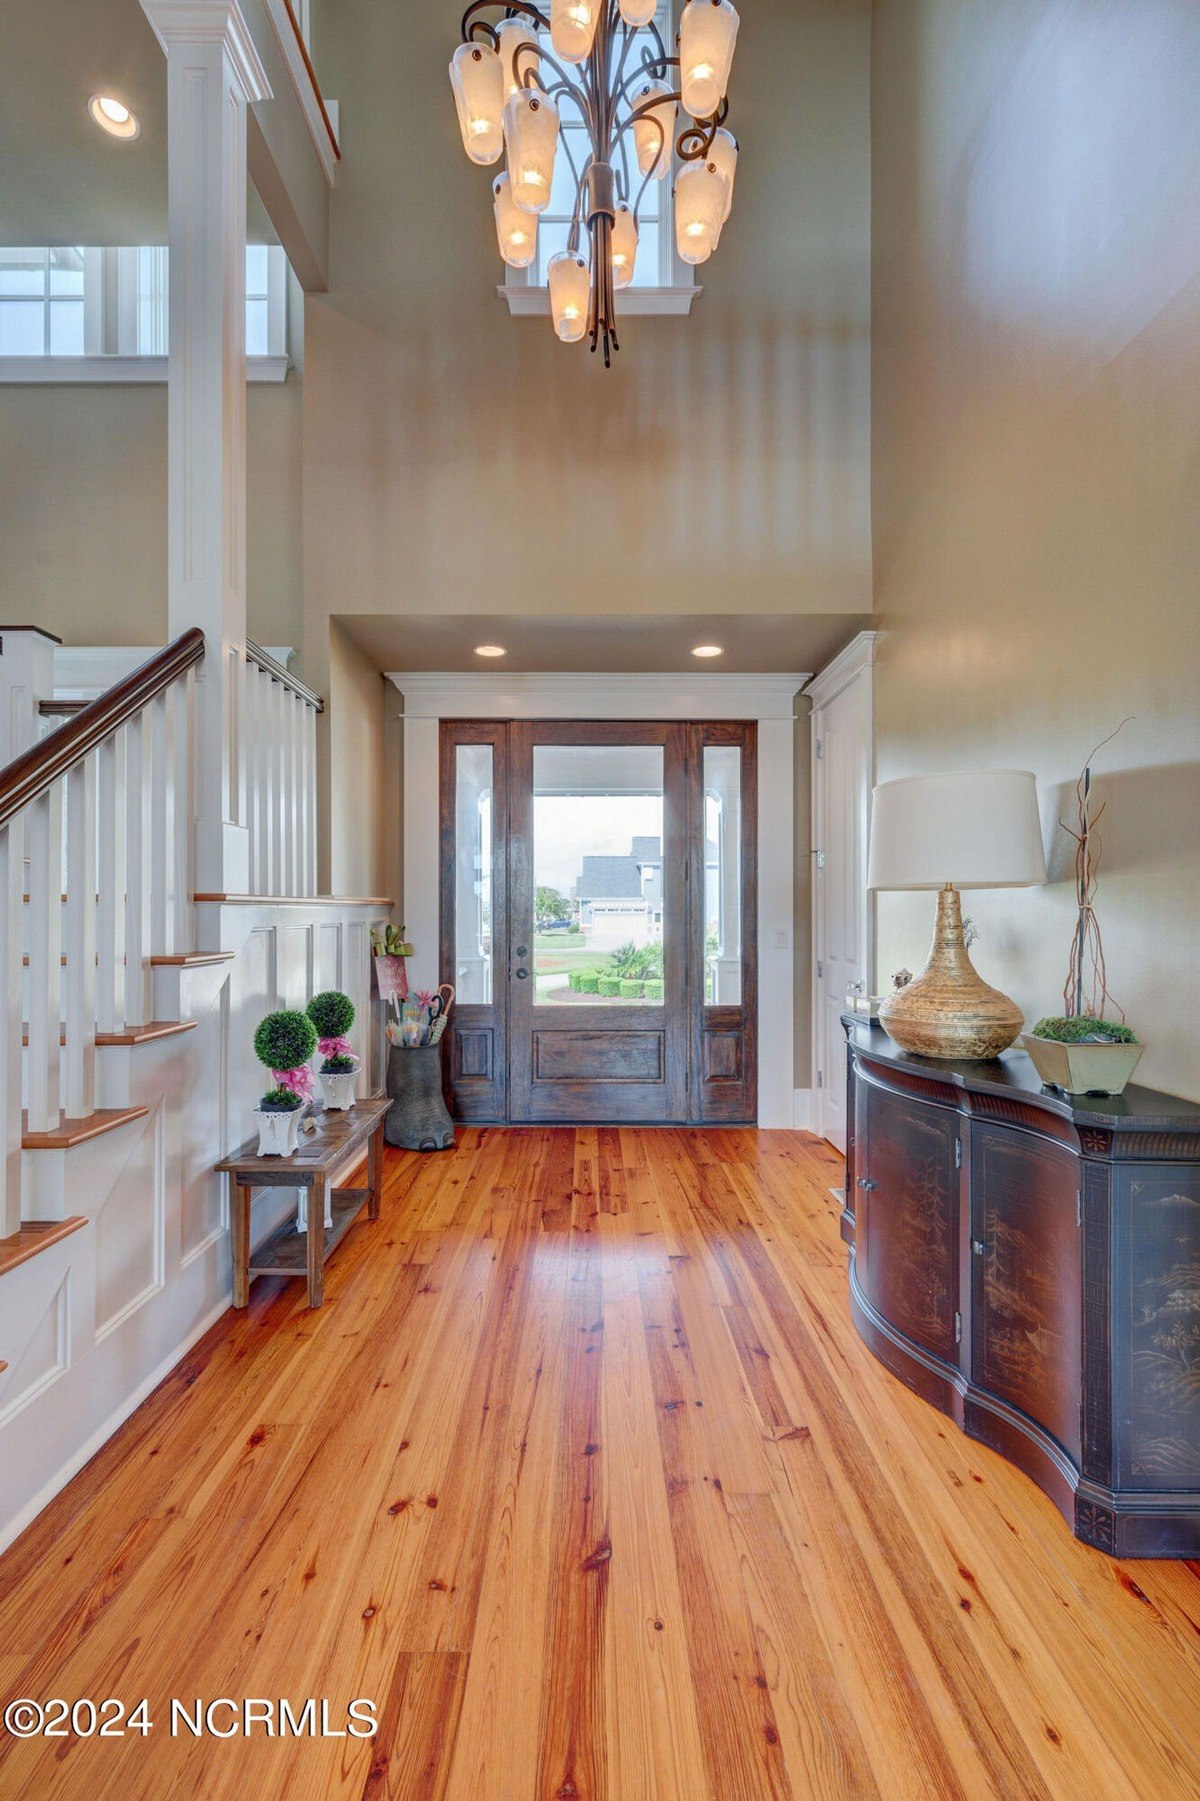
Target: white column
x: 26, y: 677
x: 213, y: 73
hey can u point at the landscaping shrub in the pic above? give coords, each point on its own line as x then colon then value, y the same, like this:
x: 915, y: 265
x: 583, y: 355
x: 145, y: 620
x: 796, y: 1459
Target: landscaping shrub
x: 588, y: 985
x: 573, y: 980
x: 608, y: 985
x: 631, y: 991
x: 654, y: 991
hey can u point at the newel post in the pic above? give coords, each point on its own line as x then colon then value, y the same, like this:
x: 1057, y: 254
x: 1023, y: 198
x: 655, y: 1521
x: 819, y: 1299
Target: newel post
x: 213, y: 75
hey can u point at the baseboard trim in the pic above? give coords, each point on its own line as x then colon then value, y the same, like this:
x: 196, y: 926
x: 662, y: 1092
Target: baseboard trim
x: 802, y: 1110
x: 12, y: 1529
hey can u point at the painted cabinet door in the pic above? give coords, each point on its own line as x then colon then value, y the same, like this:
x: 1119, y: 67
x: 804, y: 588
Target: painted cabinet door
x: 1027, y: 1314
x: 906, y: 1239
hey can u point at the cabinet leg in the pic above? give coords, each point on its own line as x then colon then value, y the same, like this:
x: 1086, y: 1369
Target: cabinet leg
x: 239, y: 1232
x: 375, y: 1171
x: 316, y: 1241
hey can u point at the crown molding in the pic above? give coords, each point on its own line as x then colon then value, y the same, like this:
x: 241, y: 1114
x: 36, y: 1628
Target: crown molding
x: 179, y: 23
x: 858, y: 655
x: 473, y: 695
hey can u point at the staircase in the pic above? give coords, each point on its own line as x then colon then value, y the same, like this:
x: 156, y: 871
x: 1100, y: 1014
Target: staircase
x: 125, y: 1065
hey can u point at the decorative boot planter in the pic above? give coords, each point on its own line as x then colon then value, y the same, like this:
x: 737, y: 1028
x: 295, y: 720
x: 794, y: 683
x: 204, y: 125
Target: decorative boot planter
x: 337, y: 1090
x: 279, y: 1132
x: 417, y: 1119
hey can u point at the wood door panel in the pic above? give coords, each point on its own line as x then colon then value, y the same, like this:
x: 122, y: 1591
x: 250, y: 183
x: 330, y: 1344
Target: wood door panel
x: 625, y: 1056
x: 1027, y: 1331
x: 907, y: 1223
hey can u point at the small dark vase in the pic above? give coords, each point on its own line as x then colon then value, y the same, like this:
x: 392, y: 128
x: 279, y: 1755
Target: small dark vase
x: 417, y: 1119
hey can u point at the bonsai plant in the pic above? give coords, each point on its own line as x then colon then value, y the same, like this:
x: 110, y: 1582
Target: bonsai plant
x: 332, y: 1015
x: 1079, y: 1050
x: 284, y: 1042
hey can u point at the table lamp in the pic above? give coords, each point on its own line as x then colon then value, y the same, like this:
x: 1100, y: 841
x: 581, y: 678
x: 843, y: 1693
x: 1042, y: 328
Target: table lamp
x: 975, y: 829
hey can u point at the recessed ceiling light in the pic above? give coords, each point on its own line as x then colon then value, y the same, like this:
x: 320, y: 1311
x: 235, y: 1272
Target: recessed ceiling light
x: 709, y: 650
x: 490, y: 650
x: 113, y: 117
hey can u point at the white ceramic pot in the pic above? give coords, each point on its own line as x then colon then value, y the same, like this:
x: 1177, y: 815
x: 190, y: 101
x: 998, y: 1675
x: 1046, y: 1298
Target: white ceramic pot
x: 337, y: 1091
x: 278, y: 1133
x: 1083, y: 1068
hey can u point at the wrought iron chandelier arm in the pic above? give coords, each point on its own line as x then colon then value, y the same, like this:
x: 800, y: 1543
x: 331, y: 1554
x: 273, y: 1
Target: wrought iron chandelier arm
x: 697, y: 140
x: 649, y: 65
x: 473, y: 20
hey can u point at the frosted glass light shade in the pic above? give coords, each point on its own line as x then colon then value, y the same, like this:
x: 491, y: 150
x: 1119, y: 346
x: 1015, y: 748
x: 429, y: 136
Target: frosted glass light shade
x: 516, y: 229
x: 975, y: 829
x: 531, y: 132
x: 707, y: 34
x: 638, y: 12
x: 513, y: 35
x: 724, y: 152
x: 699, y: 211
x: 573, y: 27
x: 652, y: 144
x: 478, y: 83
x: 570, y: 294
x: 624, y: 246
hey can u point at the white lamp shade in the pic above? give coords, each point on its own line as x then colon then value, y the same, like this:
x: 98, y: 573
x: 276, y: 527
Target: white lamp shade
x: 514, y: 35
x: 624, y: 246
x: 654, y: 132
x: 699, y: 211
x: 724, y: 152
x: 570, y: 295
x: 478, y: 83
x: 979, y: 828
x: 638, y: 12
x: 531, y: 132
x: 707, y: 34
x: 573, y: 27
x: 516, y: 229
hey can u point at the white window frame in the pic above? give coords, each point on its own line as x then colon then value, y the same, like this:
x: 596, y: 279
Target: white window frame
x: 676, y: 289
x: 110, y: 329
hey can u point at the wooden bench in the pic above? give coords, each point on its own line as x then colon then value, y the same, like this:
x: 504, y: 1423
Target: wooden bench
x: 331, y: 1147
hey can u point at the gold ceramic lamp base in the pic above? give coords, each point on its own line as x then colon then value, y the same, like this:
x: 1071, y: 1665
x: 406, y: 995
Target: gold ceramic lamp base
x: 948, y: 1011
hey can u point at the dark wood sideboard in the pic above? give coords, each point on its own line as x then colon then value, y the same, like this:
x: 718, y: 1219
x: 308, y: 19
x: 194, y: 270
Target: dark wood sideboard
x: 1030, y: 1264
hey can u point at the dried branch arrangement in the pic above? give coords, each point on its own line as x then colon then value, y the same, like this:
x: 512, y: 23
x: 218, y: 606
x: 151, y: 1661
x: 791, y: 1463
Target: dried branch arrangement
x: 1085, y: 992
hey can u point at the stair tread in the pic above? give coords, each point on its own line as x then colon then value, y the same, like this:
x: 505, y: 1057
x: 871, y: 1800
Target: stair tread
x: 154, y: 1028
x: 34, y: 1236
x: 191, y: 959
x: 70, y: 1132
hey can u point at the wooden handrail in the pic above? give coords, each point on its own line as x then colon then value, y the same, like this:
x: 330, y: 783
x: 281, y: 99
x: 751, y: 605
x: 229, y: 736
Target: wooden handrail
x: 38, y: 768
x: 274, y: 668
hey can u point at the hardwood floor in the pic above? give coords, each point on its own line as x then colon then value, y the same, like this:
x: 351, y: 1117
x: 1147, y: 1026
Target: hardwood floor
x: 584, y: 1478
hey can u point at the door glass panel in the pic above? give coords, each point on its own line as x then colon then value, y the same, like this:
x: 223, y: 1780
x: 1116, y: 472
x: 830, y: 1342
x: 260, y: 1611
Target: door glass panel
x: 473, y: 874
x: 598, y: 875
x: 723, y: 875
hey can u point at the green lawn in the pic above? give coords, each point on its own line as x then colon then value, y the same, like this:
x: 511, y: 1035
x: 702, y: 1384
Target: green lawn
x: 587, y: 963
x: 564, y: 941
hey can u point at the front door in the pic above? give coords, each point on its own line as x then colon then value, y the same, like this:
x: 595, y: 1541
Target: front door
x: 597, y: 882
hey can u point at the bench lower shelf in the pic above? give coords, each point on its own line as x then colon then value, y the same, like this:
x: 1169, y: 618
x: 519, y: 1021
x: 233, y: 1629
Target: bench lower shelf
x: 285, y: 1253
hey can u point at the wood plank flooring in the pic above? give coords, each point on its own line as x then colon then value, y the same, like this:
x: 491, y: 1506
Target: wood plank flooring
x: 583, y: 1477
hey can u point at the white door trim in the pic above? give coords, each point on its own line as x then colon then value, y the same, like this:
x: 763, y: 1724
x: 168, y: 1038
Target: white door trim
x: 768, y: 699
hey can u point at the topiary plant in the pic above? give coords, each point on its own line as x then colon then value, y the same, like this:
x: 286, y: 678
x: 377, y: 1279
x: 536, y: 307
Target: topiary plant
x: 1082, y: 1029
x: 280, y: 1100
x: 332, y: 1013
x: 285, y: 1040
x: 339, y: 1065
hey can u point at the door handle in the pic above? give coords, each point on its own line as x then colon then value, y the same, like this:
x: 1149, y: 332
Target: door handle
x: 866, y: 1184
x: 522, y: 950
x: 522, y: 974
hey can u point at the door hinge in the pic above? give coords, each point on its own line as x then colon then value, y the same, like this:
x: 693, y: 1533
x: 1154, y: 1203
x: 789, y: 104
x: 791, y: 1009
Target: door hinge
x: 958, y: 1153
x: 958, y: 1328
x: 1079, y: 1206
x: 820, y: 969
x: 820, y: 749
x: 820, y: 856
x: 820, y: 1078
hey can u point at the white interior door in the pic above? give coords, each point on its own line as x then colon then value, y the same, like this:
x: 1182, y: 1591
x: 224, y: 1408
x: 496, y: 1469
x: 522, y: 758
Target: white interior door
x: 843, y: 770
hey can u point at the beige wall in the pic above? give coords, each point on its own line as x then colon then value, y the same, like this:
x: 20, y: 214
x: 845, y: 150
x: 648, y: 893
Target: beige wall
x: 460, y: 460
x: 1037, y: 461
x: 83, y: 511
x: 363, y: 790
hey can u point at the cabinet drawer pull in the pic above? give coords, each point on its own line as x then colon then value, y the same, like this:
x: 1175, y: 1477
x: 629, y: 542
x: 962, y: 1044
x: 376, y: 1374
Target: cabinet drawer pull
x: 866, y: 1184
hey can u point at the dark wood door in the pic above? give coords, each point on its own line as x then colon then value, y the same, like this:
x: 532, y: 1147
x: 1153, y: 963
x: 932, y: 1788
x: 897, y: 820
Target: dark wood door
x: 639, y: 1003
x: 906, y: 1228
x: 1027, y: 1303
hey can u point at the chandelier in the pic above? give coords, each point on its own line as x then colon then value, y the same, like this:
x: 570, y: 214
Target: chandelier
x: 607, y: 57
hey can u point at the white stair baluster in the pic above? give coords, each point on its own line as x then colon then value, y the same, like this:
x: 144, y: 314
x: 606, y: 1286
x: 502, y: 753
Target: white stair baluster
x: 183, y: 715
x: 291, y: 789
x: 110, y: 911
x: 44, y: 987
x: 79, y: 996
x: 12, y: 907
x: 311, y: 797
x: 137, y: 921
x: 160, y: 867
x: 277, y: 789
